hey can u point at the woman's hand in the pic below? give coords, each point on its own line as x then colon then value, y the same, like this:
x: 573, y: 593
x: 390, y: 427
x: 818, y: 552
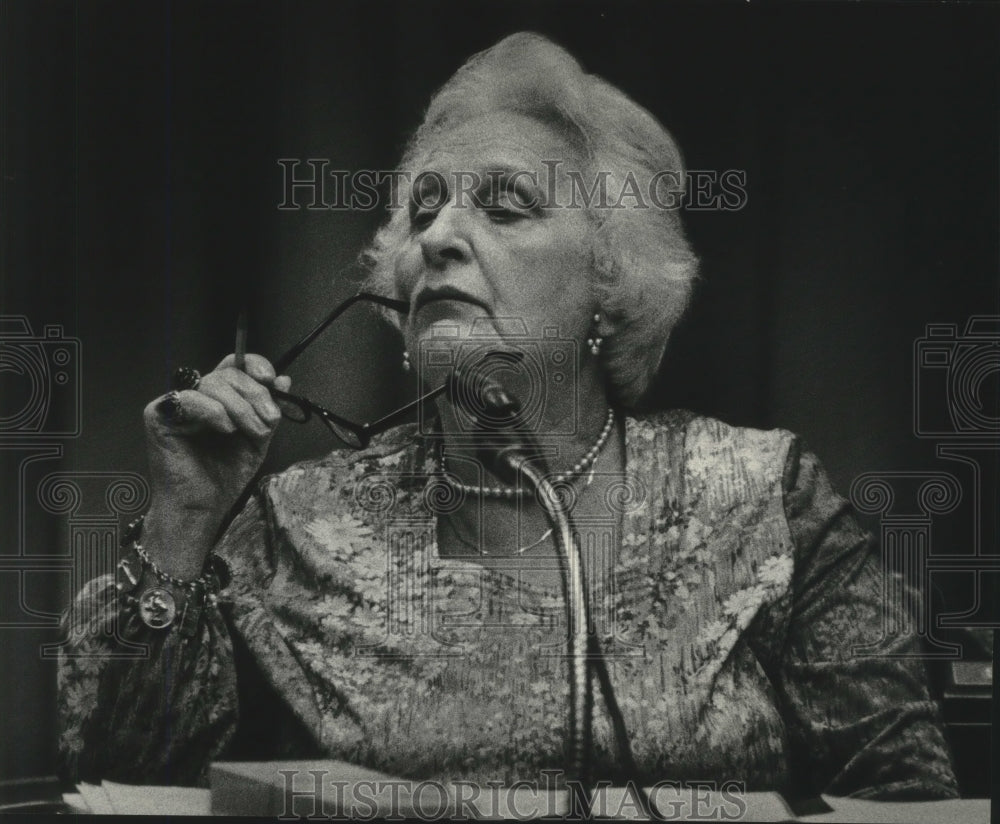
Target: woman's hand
x: 204, y: 447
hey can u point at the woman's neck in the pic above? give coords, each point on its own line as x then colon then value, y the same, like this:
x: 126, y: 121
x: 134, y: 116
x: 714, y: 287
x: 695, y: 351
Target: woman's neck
x: 564, y: 429
x: 499, y: 532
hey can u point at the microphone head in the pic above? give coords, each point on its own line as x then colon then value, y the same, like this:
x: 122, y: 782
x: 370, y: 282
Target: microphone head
x: 473, y: 390
x: 496, y: 412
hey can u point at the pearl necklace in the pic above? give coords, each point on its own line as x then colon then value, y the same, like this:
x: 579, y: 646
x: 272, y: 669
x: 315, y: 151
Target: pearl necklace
x: 523, y: 549
x: 512, y: 492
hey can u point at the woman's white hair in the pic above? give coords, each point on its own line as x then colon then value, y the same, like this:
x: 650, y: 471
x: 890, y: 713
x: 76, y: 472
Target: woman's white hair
x: 643, y: 268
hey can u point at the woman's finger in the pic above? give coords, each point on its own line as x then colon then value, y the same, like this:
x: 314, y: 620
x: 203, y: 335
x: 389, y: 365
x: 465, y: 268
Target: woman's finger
x: 240, y: 411
x: 189, y: 412
x: 254, y: 393
x: 257, y: 367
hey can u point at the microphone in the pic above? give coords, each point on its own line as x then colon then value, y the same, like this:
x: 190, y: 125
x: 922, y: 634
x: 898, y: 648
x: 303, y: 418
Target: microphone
x: 475, y: 391
x: 514, y: 451
x: 496, y: 412
x: 510, y: 451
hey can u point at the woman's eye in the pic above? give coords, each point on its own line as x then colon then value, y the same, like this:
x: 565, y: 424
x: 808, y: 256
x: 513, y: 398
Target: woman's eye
x: 504, y: 213
x: 420, y: 219
x: 506, y: 206
x: 427, y: 198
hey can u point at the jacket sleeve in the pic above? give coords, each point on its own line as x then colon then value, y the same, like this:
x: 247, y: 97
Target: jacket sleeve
x: 860, y: 723
x: 146, y: 706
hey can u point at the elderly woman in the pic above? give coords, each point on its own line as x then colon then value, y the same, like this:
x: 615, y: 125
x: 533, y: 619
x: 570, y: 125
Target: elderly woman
x: 401, y: 607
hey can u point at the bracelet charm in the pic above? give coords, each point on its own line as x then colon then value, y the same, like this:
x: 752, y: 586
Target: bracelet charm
x: 130, y: 573
x: 157, y: 608
x: 190, y: 618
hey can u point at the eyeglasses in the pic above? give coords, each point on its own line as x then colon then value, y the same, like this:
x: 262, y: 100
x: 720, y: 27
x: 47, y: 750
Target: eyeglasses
x: 300, y: 410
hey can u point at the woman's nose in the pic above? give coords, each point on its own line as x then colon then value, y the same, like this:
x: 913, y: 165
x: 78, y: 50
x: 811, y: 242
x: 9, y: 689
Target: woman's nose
x: 444, y: 240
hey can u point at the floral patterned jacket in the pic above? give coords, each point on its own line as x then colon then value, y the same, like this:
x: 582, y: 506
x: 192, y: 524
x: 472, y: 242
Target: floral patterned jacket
x: 741, y: 612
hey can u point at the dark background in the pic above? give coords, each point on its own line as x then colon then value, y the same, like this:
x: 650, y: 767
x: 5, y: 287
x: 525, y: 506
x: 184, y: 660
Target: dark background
x: 141, y: 183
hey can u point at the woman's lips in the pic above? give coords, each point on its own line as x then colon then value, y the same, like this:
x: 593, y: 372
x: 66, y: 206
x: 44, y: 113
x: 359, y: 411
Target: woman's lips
x: 432, y: 301
x: 448, y: 295
x: 455, y: 309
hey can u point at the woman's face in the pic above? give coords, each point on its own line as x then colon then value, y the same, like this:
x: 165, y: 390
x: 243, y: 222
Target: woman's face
x: 483, y: 246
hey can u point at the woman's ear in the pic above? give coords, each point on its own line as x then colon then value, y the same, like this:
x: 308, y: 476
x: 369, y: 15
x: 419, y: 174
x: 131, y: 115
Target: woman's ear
x: 601, y: 324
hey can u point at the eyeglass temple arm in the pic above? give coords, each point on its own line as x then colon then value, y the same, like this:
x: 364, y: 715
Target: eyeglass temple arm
x: 286, y: 360
x: 364, y: 431
x: 376, y: 427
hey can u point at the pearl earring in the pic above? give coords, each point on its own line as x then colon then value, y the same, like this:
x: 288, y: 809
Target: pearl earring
x: 406, y: 361
x: 595, y: 341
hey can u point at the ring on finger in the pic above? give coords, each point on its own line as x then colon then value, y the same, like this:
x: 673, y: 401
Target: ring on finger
x: 172, y: 409
x: 185, y: 377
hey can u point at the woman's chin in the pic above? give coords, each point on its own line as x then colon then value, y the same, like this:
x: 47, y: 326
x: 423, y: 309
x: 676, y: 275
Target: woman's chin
x: 445, y: 324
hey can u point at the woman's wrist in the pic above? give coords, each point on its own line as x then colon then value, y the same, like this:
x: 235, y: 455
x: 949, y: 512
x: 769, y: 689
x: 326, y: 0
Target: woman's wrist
x: 178, y: 540
x: 160, y: 600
